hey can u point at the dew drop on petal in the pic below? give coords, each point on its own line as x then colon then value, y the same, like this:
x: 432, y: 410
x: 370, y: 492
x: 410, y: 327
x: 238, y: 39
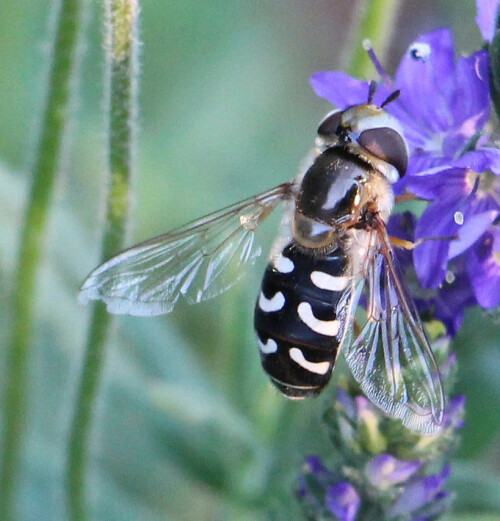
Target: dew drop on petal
x: 458, y: 217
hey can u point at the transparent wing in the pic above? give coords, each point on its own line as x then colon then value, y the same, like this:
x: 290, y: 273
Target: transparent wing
x: 391, y: 358
x: 198, y: 260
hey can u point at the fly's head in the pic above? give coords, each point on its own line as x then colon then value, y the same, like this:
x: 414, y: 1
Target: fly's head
x: 362, y: 153
x: 370, y: 133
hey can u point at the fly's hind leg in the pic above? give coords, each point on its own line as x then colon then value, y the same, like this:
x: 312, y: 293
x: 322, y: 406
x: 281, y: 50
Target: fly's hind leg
x: 411, y: 245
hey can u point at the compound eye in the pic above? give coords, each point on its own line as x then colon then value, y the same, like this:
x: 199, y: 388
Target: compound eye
x: 329, y: 126
x: 388, y: 145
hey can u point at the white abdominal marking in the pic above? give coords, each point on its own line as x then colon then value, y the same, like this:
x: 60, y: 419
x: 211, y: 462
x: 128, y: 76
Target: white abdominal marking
x: 314, y: 367
x: 324, y: 281
x: 283, y: 264
x: 323, y: 327
x: 272, y: 304
x: 269, y: 347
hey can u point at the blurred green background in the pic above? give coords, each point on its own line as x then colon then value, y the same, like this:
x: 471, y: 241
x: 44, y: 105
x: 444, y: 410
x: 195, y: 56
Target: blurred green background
x: 188, y: 427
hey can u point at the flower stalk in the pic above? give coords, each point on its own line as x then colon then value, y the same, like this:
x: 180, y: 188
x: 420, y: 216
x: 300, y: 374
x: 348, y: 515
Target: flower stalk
x: 122, y: 23
x: 44, y: 172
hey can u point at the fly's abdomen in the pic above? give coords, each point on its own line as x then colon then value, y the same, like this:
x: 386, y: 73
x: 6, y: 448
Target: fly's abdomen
x: 295, y: 319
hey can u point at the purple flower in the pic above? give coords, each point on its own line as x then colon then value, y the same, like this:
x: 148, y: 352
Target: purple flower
x: 446, y: 303
x: 366, y: 477
x: 422, y: 493
x: 443, y: 103
x: 451, y: 300
x: 486, y: 17
x: 315, y: 467
x: 465, y: 204
x: 483, y: 267
x: 347, y: 403
x: 385, y: 471
x: 402, y: 226
x: 343, y: 501
x: 368, y: 415
x: 312, y: 485
x: 454, y: 413
x: 443, y: 107
x: 448, y: 367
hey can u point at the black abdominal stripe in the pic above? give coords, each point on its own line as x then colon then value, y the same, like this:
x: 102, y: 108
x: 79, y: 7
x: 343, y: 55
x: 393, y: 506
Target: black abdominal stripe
x: 295, y: 319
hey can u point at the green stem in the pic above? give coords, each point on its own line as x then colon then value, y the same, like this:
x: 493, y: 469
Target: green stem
x: 375, y: 23
x: 121, y: 64
x: 43, y: 176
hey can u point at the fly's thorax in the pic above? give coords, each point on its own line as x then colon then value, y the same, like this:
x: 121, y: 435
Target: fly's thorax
x: 330, y: 192
x: 335, y: 194
x: 378, y: 196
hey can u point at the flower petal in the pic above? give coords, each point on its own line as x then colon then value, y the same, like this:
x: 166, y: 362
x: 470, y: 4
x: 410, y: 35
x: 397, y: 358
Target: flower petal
x: 385, y: 470
x: 402, y: 226
x: 451, y: 301
x: 470, y: 101
x: 315, y: 466
x: 339, y: 88
x: 440, y: 182
x: 347, y: 403
x: 483, y: 269
x: 486, y: 16
x: 431, y: 257
x: 426, y: 78
x: 421, y: 161
x: 343, y: 501
x: 481, y: 160
x: 470, y: 231
x: 454, y: 413
x: 419, y: 493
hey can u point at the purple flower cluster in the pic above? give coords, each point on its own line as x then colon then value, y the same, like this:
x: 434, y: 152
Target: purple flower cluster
x: 387, y: 487
x: 444, y: 108
x: 378, y: 478
x: 383, y: 471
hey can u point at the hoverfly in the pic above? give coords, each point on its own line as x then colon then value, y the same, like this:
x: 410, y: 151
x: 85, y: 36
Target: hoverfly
x: 333, y: 247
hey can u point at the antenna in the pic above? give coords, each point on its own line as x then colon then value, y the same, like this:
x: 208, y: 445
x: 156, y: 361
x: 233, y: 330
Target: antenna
x: 391, y: 98
x: 371, y: 91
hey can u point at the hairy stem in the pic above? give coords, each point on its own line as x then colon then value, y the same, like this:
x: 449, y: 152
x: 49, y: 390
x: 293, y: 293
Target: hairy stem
x: 375, y: 22
x: 121, y: 99
x: 43, y: 175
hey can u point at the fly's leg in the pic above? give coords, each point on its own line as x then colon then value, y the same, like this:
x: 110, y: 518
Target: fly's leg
x: 411, y: 245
